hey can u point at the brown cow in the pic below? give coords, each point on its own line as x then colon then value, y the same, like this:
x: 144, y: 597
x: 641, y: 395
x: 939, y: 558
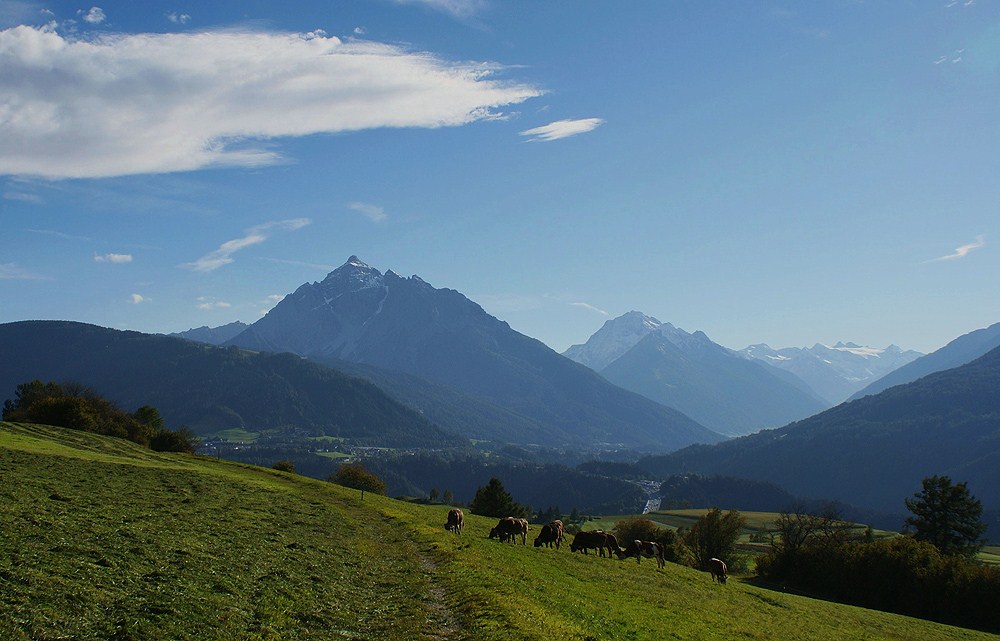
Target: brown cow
x: 718, y: 569
x: 595, y: 539
x: 648, y: 549
x: 551, y: 533
x: 456, y: 521
x: 508, y: 528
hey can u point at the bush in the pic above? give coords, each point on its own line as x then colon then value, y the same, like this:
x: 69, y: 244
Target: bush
x: 284, y: 465
x: 182, y: 440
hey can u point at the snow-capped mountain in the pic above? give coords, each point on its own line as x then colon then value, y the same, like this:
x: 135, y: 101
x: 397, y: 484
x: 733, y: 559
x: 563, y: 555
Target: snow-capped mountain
x: 837, y: 372
x: 360, y: 315
x: 688, y: 371
x: 615, y: 337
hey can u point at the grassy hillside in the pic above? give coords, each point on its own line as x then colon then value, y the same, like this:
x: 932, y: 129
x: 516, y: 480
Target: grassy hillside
x: 105, y: 540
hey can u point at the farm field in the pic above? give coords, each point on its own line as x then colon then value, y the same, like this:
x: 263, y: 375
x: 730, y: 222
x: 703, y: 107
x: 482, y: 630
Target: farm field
x: 106, y: 540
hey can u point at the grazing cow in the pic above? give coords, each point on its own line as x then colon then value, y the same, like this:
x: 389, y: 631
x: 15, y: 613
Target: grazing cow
x: 595, y: 539
x: 456, y: 521
x: 551, y: 533
x: 718, y: 569
x: 509, y: 528
x: 648, y: 549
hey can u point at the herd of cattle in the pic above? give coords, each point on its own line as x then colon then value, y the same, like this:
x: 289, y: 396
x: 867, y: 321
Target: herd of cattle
x: 509, y: 529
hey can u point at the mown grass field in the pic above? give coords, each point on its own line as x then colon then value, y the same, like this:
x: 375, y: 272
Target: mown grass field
x: 104, y: 540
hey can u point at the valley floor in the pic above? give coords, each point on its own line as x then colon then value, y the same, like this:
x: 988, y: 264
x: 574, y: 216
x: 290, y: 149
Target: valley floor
x: 105, y: 540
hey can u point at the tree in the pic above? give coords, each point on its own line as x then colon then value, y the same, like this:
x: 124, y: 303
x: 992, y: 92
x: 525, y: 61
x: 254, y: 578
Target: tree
x: 493, y: 500
x: 356, y: 476
x: 947, y: 516
x: 715, y: 535
x: 433, y: 496
x: 449, y: 497
x: 284, y: 465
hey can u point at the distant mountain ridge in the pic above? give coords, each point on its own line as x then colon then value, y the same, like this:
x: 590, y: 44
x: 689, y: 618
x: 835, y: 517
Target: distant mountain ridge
x: 212, y: 335
x: 873, y: 452
x: 361, y: 315
x: 210, y: 388
x: 687, y: 371
x: 835, y: 373
x: 960, y: 351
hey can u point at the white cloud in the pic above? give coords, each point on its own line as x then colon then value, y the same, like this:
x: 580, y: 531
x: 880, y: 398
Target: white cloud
x: 10, y: 271
x: 122, y: 104
x: 457, y: 8
x: 178, y: 18
x: 209, y: 303
x: 94, y: 16
x: 113, y: 258
x: 254, y: 236
x: 963, y: 251
x: 373, y: 212
x: 591, y: 308
x: 562, y: 129
x: 138, y: 298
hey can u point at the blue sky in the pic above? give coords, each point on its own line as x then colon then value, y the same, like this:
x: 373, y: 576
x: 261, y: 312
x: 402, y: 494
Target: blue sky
x: 778, y: 172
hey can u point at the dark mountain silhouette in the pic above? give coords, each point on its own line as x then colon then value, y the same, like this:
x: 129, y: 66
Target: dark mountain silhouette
x: 960, y: 351
x: 873, y: 452
x: 360, y: 315
x: 210, y: 388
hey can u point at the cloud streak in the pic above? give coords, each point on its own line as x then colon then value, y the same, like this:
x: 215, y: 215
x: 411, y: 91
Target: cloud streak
x: 117, y: 259
x: 10, y: 271
x: 591, y: 308
x: 253, y: 236
x: 372, y: 212
x: 963, y: 251
x: 562, y: 129
x: 126, y: 104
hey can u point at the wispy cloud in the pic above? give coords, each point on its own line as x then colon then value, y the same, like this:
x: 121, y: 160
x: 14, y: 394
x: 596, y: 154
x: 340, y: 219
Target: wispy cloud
x: 117, y: 259
x: 178, y: 18
x: 57, y: 234
x: 963, y: 251
x: 253, y: 236
x: 138, y: 299
x: 562, y: 129
x: 591, y: 308
x: 95, y: 15
x: 456, y: 8
x: 22, y: 197
x: 208, y: 303
x: 372, y: 212
x: 11, y: 271
x: 124, y: 104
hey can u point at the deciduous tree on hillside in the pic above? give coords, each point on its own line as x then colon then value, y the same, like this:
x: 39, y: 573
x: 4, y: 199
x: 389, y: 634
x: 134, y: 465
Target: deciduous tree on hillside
x: 714, y: 535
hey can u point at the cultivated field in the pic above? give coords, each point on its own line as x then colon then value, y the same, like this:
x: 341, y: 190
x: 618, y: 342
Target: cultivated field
x: 105, y: 540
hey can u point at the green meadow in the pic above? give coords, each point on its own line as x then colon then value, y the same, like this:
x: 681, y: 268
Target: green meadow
x: 102, y: 539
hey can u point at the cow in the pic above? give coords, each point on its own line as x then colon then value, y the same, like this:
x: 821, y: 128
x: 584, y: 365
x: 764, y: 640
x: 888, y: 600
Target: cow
x: 595, y: 539
x: 717, y: 568
x: 508, y: 528
x: 648, y: 549
x: 456, y: 521
x: 551, y: 533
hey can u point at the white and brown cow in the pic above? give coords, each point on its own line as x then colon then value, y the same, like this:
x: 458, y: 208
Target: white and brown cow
x: 456, y: 521
x: 717, y: 568
x: 648, y: 549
